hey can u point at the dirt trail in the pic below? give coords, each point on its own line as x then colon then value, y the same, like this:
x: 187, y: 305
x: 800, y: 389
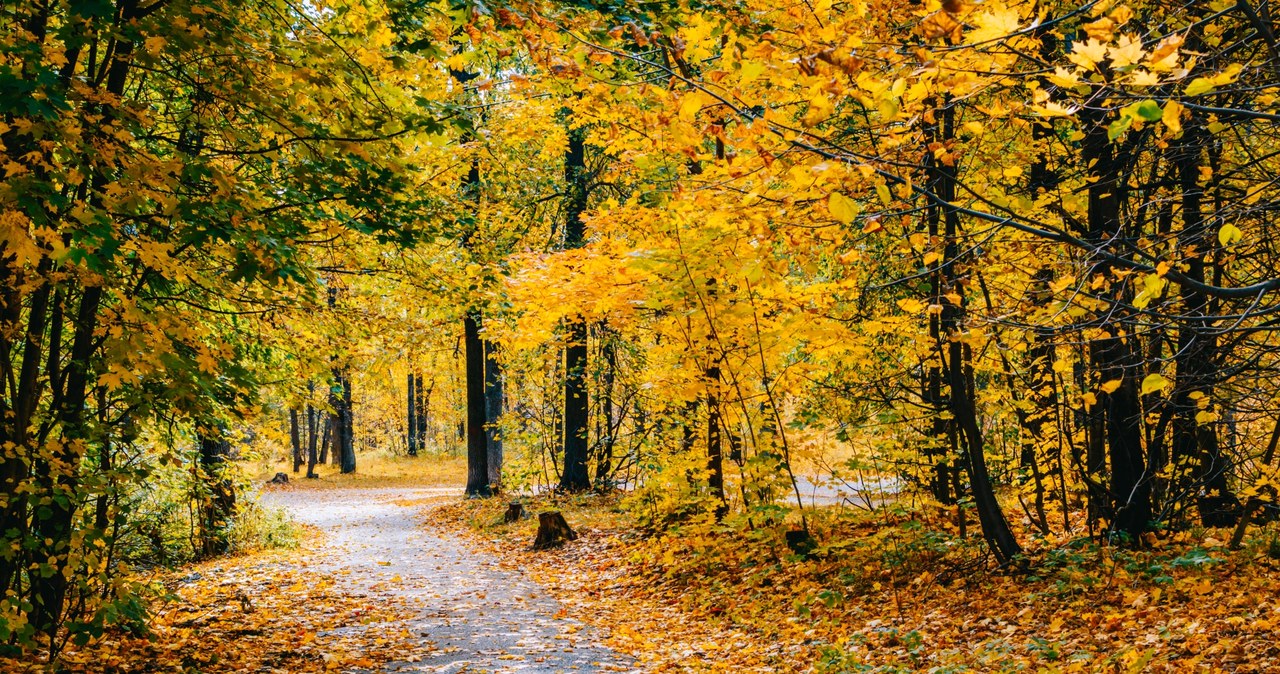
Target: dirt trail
x: 477, y: 616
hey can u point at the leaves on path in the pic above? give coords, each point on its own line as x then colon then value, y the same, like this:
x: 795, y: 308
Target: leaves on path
x: 266, y: 612
x: 720, y: 601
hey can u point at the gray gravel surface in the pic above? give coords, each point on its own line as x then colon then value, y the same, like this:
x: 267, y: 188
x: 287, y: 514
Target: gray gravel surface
x: 474, y: 615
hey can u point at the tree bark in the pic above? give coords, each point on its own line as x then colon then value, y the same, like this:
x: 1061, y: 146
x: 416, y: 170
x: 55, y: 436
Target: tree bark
x: 960, y: 381
x: 1196, y: 442
x: 295, y: 440
x: 553, y: 531
x: 348, y: 454
x: 477, y: 448
x: 424, y: 399
x: 313, y: 433
x: 218, y: 496
x: 574, y: 477
x: 715, y: 451
x: 1116, y: 420
x: 493, y: 406
x: 411, y: 424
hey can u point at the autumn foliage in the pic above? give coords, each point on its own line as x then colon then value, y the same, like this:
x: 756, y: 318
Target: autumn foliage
x: 1004, y: 269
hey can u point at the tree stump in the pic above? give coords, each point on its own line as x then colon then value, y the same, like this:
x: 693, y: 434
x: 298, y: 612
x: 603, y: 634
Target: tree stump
x: 515, y: 511
x: 280, y: 478
x: 800, y: 542
x: 553, y: 531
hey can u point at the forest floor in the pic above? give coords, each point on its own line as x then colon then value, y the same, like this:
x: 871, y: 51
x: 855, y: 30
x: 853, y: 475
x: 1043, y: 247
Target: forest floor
x: 395, y: 572
x: 375, y: 585
x: 895, y: 592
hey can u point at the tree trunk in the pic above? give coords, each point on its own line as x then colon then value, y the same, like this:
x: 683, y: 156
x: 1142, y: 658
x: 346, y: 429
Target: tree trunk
x: 218, y: 497
x: 326, y: 438
x: 1195, y: 442
x: 493, y: 407
x: 313, y: 432
x: 604, y: 457
x: 576, y: 403
x: 960, y: 382
x: 424, y: 399
x: 477, y: 448
x: 1116, y: 420
x: 295, y: 440
x: 411, y: 425
x: 348, y: 428
x: 715, y: 451
x: 576, y: 410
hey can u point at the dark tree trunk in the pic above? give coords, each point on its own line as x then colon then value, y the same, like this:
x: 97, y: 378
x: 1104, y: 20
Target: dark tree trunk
x: 715, y: 451
x: 576, y: 403
x: 313, y: 433
x: 941, y: 442
x: 348, y: 445
x: 54, y: 527
x: 326, y: 437
x: 295, y: 440
x: 995, y: 528
x: 411, y: 425
x: 218, y: 496
x: 493, y: 407
x: 1116, y: 421
x: 424, y: 399
x: 576, y: 410
x: 1195, y: 443
x: 477, y: 448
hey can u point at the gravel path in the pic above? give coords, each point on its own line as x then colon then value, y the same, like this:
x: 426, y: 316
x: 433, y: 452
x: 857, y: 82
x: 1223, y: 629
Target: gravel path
x: 477, y: 616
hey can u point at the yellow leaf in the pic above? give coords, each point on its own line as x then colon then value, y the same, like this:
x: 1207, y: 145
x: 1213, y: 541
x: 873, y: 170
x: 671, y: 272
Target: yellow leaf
x: 153, y: 45
x: 883, y: 191
x: 690, y: 104
x: 931, y: 257
x: 1128, y: 51
x: 1088, y: 54
x: 842, y: 208
x: 1100, y: 30
x: 1171, y: 116
x: 1229, y: 234
x: 1154, y: 382
x: 910, y: 305
x: 1111, y: 386
x: 1206, y: 416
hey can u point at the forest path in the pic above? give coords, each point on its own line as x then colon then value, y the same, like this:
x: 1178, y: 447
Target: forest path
x: 475, y: 615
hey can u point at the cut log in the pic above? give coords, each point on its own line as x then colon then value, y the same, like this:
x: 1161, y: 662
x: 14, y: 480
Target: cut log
x: 280, y: 478
x: 553, y: 531
x: 515, y: 512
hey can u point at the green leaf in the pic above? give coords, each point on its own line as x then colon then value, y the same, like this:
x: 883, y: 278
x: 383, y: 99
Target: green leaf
x: 1148, y: 110
x: 1118, y: 127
